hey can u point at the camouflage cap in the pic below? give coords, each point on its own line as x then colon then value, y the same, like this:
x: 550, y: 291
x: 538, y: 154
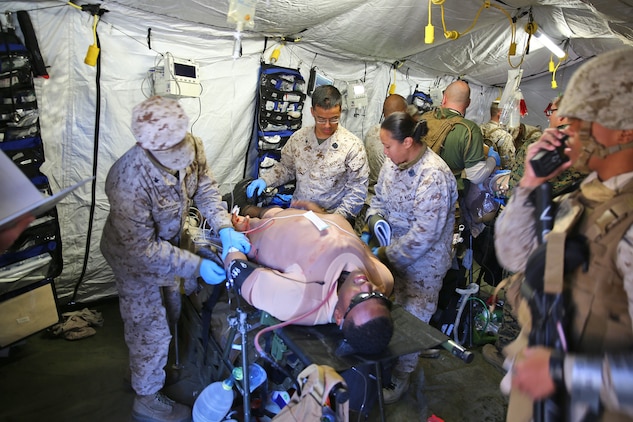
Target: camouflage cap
x: 601, y: 90
x: 159, y: 123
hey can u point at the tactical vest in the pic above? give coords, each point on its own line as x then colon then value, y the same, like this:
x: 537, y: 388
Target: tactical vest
x: 438, y: 128
x: 600, y: 319
x: 489, y: 135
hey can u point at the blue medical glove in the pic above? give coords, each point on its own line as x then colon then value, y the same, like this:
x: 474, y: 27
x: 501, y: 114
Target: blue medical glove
x: 493, y: 153
x: 365, y: 236
x: 211, y: 272
x: 256, y: 185
x: 232, y: 239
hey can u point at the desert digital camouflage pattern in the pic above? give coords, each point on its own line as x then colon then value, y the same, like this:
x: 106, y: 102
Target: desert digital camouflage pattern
x: 139, y: 241
x: 333, y: 174
x: 607, y: 100
x: 419, y: 203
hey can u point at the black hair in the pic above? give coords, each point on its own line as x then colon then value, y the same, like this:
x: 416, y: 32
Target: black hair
x: 370, y: 338
x: 402, y: 125
x: 326, y: 97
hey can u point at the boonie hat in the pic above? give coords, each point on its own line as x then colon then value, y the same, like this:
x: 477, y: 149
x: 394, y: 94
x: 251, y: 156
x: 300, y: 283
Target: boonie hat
x: 159, y: 125
x: 600, y: 90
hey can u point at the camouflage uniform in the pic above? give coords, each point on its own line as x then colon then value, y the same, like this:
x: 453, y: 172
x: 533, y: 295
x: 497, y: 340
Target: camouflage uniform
x: 418, y: 200
x: 375, y: 159
x: 523, y: 133
x: 560, y: 184
x: 140, y: 243
x: 502, y: 142
x: 333, y: 174
x: 598, y: 365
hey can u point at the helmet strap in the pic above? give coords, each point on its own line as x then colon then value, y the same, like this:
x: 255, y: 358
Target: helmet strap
x: 591, y: 147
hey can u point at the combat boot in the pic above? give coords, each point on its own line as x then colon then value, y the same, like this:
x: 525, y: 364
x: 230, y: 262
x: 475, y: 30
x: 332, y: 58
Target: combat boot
x: 396, y: 389
x: 158, y: 407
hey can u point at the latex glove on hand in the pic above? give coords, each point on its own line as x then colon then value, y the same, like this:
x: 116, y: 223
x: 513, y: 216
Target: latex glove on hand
x: 256, y: 185
x: 211, y: 272
x: 365, y: 236
x: 232, y: 239
x: 495, y: 155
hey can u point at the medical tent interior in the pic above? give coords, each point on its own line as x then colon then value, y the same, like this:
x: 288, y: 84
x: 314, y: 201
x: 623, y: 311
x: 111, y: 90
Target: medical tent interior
x: 102, y: 58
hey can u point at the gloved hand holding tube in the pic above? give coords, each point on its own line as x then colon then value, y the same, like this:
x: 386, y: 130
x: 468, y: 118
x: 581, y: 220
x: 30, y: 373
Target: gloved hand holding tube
x: 211, y: 272
x: 233, y: 240
x: 256, y: 185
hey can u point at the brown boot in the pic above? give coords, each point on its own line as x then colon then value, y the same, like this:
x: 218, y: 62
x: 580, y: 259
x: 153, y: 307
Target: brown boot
x: 159, y: 408
x: 397, y: 388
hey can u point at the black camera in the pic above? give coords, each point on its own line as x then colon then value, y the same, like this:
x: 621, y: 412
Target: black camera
x: 545, y: 162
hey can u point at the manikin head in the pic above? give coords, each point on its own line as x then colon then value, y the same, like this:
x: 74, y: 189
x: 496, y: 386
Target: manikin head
x: 364, y: 314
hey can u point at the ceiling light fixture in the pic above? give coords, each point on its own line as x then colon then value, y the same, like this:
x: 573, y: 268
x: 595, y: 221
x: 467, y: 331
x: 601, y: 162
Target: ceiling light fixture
x: 547, y: 42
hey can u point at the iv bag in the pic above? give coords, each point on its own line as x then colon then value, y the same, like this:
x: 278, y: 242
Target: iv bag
x: 508, y: 104
x: 242, y: 13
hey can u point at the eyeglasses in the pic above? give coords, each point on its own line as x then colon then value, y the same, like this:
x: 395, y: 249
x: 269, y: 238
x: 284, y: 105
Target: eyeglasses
x: 323, y: 121
x: 550, y: 111
x: 362, y: 297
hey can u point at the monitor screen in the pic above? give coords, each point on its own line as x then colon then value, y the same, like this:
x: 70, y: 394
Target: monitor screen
x: 184, y: 70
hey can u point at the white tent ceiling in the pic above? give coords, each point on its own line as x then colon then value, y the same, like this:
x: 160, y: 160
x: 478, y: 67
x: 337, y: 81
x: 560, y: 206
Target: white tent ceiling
x: 85, y: 110
x: 390, y: 31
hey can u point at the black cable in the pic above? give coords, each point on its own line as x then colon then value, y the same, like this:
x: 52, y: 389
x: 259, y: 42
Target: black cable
x: 95, y: 155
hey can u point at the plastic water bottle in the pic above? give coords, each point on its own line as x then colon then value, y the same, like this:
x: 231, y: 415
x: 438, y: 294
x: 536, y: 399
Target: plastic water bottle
x: 214, y: 402
x: 256, y: 375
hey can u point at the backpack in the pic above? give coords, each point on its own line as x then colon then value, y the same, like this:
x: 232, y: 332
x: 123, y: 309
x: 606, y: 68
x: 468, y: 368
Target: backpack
x: 317, y: 382
x: 438, y: 129
x: 489, y: 136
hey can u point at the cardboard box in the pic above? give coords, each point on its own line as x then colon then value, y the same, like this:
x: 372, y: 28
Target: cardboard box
x: 26, y: 311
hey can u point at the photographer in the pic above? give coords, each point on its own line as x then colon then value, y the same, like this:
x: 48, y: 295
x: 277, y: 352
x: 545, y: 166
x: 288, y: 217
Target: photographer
x: 596, y: 369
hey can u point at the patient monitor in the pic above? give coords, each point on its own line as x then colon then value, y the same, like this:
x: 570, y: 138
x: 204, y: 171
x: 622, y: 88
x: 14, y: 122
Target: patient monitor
x: 177, y: 78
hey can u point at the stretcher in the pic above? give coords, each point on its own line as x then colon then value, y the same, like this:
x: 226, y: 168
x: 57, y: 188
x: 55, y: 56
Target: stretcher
x: 320, y: 345
x: 228, y: 340
x: 232, y: 344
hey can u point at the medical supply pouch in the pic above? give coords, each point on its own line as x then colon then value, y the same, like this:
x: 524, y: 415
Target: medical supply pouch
x: 281, y: 98
x: 271, y: 141
x: 314, y: 404
x: 37, y: 253
x: 27, y: 153
x: 279, y: 110
x: 41, y: 237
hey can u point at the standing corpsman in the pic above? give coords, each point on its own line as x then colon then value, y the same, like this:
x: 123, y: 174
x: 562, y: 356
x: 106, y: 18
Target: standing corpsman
x: 150, y: 189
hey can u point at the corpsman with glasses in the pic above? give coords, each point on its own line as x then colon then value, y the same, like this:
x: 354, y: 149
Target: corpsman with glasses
x: 311, y: 268
x: 327, y: 161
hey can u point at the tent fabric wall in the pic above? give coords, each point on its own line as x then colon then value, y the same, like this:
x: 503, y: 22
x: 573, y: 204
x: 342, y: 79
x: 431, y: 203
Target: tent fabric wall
x: 346, y: 41
x: 222, y: 115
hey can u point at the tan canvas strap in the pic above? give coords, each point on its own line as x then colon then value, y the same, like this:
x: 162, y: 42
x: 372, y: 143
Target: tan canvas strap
x: 554, y: 263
